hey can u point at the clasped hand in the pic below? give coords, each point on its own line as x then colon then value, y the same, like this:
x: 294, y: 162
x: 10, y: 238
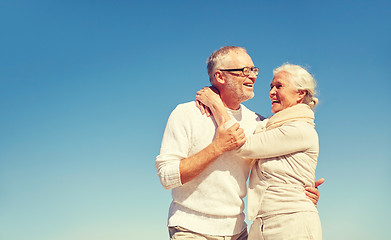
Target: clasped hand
x: 229, y: 139
x: 210, y: 103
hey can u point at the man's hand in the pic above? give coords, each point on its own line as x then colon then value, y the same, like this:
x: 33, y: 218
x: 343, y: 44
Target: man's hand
x: 229, y: 139
x: 226, y: 140
x: 313, y: 193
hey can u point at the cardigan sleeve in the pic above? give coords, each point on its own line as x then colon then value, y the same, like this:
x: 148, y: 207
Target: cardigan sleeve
x: 286, y: 139
x: 174, y: 147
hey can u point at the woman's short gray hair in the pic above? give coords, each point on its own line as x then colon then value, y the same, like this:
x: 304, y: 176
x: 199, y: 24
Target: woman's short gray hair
x: 302, y: 80
x: 219, y: 57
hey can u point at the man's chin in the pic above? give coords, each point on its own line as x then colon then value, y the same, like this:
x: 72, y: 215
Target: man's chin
x: 247, y: 97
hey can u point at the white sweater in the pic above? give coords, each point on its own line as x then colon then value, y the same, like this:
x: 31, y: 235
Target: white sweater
x: 212, y: 203
x: 288, y: 157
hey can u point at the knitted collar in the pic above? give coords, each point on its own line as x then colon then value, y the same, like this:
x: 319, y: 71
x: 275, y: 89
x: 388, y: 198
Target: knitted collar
x: 297, y: 112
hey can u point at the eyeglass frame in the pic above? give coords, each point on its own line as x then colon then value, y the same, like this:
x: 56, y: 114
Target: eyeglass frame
x: 255, y: 70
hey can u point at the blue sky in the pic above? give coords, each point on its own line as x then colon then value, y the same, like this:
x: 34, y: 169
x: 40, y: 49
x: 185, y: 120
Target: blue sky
x: 86, y: 88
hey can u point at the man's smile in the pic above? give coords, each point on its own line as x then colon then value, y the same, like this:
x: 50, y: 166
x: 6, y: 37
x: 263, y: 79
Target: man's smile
x: 250, y: 85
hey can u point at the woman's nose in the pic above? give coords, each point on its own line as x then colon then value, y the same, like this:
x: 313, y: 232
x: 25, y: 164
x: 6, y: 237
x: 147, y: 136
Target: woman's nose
x: 272, y: 91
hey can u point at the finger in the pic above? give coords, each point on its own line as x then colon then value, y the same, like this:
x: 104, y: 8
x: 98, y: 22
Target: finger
x: 200, y: 106
x: 241, y: 142
x: 312, y: 190
x: 314, y: 201
x: 314, y: 198
x: 234, y: 127
x: 311, y: 194
x: 201, y: 91
x: 208, y: 112
x: 199, y: 99
x: 240, y: 133
x: 204, y: 89
x: 319, y: 182
x: 197, y: 104
x: 209, y: 90
x: 243, y: 136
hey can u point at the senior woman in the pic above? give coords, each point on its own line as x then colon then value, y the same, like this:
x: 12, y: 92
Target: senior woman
x: 286, y: 148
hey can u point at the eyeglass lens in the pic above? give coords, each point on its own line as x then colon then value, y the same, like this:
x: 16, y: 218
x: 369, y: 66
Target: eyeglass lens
x: 248, y: 70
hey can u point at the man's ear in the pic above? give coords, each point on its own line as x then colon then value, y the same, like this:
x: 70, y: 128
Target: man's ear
x: 302, y: 94
x: 219, y: 77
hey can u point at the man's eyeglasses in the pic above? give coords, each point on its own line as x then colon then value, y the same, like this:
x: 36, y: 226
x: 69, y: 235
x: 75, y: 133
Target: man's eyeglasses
x: 246, y: 70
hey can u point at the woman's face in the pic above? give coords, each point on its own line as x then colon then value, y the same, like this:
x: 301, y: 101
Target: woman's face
x: 282, y: 93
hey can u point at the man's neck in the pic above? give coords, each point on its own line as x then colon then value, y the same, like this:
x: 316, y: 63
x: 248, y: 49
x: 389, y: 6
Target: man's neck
x: 230, y: 100
x: 233, y: 105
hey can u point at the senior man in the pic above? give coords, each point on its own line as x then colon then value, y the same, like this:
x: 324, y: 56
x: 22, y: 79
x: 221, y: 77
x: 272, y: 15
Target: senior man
x: 208, y: 186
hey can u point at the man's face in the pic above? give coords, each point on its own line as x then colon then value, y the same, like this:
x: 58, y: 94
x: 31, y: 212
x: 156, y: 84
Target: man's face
x: 237, y: 85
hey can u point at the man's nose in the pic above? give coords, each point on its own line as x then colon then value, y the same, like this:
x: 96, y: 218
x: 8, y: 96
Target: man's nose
x: 252, y: 76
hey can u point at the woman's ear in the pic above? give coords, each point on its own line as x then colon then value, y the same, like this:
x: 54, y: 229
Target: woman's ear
x: 302, y: 94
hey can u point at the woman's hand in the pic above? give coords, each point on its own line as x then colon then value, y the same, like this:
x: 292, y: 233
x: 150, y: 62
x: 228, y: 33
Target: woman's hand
x: 313, y: 192
x: 229, y: 139
x: 210, y: 103
x: 203, y: 107
x: 209, y: 96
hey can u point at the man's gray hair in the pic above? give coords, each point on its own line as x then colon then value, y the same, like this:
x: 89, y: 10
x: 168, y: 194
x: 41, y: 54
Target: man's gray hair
x: 219, y: 57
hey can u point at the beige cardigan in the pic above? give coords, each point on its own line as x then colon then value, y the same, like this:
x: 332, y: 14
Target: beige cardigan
x: 287, y: 149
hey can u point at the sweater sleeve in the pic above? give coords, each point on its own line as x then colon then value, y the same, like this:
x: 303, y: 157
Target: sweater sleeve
x: 289, y: 138
x: 174, y: 147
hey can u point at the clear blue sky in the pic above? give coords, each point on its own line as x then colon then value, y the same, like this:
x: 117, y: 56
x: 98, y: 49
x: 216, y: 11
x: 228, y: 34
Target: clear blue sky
x: 86, y: 88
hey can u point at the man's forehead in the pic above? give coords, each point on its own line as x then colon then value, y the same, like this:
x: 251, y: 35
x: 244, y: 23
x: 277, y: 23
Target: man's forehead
x: 239, y: 54
x: 239, y: 58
